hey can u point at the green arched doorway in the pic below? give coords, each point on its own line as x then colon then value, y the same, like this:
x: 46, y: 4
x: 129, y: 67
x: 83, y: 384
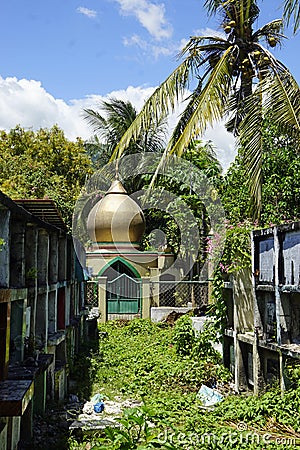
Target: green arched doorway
x: 123, y: 289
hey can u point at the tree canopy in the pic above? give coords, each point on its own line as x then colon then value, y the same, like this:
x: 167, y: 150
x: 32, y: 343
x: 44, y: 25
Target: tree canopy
x: 280, y: 181
x: 237, y: 78
x: 43, y: 164
x: 109, y: 123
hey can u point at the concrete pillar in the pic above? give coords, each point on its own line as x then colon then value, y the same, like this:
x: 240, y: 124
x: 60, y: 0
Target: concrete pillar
x: 43, y: 257
x: 14, y: 432
x: 17, y: 330
x: 4, y: 247
x: 258, y: 376
x: 102, y: 302
x: 237, y: 356
x: 53, y: 258
x: 5, y: 309
x: 31, y: 245
x: 240, y: 373
x: 155, y: 273
x: 26, y: 433
x: 62, y: 258
x: 282, y: 379
x: 40, y: 390
x: 68, y: 304
x: 41, y: 329
x: 146, y: 298
x: 52, y: 312
x: 258, y: 324
x: 155, y: 277
x: 17, y: 254
x: 70, y: 259
x: 278, y: 305
x: 210, y: 267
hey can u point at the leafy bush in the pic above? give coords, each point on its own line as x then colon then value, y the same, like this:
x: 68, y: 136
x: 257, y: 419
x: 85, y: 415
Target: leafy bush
x: 184, y: 335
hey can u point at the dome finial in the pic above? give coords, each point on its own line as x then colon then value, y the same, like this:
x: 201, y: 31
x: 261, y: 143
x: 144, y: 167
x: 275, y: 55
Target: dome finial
x: 116, y: 218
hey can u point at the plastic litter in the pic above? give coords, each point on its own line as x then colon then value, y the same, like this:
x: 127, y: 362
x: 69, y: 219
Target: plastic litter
x: 97, y: 398
x: 99, y: 407
x: 209, y: 397
x: 97, y: 402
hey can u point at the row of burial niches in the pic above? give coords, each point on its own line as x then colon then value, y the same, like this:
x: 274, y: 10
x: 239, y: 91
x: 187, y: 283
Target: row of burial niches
x: 278, y: 295
x: 287, y: 254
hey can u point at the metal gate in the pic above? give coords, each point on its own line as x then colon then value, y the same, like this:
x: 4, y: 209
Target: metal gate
x: 124, y: 295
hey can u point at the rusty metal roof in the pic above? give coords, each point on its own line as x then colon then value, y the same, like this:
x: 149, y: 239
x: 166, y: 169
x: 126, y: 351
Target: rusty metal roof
x: 44, y: 209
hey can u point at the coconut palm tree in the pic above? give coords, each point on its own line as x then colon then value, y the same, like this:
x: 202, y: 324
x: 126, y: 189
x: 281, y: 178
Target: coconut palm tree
x: 236, y: 77
x: 109, y: 128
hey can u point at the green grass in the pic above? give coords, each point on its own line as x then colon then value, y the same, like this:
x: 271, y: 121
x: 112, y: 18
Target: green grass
x: 152, y: 363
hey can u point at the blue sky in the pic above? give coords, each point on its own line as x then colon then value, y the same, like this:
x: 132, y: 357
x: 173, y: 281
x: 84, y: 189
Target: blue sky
x: 59, y: 56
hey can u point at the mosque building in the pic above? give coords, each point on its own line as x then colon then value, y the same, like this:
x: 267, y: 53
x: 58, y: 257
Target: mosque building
x: 116, y: 225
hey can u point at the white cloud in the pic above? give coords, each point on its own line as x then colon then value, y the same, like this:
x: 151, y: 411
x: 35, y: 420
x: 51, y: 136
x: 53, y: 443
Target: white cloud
x: 150, y: 15
x: 136, y: 40
x: 26, y: 103
x: 155, y: 50
x: 223, y: 142
x: 210, y: 32
x: 87, y: 12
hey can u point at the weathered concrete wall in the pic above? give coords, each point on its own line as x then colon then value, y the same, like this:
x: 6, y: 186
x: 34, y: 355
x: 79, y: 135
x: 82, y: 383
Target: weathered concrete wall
x: 30, y: 267
x: 17, y: 330
x: 52, y: 311
x: 5, y: 247
x: 53, y: 258
x: 291, y: 258
x: 161, y: 312
x: 43, y: 257
x: 17, y: 254
x: 295, y: 317
x: 266, y: 260
x: 267, y: 314
x: 243, y: 301
x: 31, y: 263
x: 62, y: 258
x: 41, y: 330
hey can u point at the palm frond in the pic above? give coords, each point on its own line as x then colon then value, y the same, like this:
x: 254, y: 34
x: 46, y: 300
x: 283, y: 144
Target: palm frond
x: 120, y: 114
x: 153, y: 139
x: 278, y: 92
x: 186, y: 115
x: 95, y: 120
x: 208, y: 106
x: 160, y: 103
x: 273, y: 28
x: 282, y: 93
x: 212, y: 6
x: 251, y: 139
x: 235, y: 111
x: 197, y: 43
x: 292, y: 12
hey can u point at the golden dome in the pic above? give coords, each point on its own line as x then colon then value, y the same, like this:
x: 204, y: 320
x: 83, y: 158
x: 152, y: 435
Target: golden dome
x: 116, y: 218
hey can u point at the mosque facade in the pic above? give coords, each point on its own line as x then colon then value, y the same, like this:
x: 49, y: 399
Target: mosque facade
x: 116, y: 225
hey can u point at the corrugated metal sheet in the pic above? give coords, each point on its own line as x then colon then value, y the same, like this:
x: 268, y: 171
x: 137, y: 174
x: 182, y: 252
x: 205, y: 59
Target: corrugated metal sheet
x: 44, y: 209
